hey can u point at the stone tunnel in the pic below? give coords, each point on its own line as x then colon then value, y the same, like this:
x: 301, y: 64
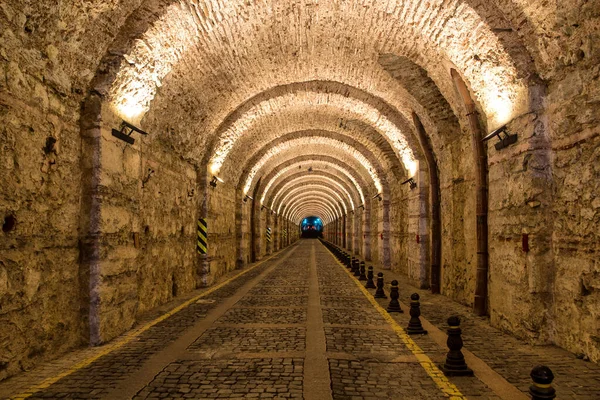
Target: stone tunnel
x: 159, y: 160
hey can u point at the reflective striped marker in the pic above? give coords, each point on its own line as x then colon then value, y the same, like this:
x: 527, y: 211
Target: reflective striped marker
x: 201, y: 244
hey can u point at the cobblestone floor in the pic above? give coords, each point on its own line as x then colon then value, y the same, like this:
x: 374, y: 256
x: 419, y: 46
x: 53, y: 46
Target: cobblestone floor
x: 255, y: 378
x: 255, y: 338
x: 508, y: 356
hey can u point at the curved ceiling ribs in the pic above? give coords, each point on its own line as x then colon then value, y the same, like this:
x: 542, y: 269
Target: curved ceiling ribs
x: 318, y: 163
x: 308, y: 177
x: 298, y: 192
x: 311, y: 200
x: 350, y: 125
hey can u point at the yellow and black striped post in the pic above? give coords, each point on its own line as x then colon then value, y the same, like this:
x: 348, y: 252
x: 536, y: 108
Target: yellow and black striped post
x: 201, y: 245
x: 269, y: 235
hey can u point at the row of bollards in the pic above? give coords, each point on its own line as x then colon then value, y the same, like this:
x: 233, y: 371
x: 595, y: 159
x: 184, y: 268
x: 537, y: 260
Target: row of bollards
x: 455, y: 364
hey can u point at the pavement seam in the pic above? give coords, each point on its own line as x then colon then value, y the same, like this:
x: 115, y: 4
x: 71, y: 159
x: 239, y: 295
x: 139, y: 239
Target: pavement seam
x: 442, y: 382
x: 180, y: 347
x: 317, y: 380
x: 128, y: 337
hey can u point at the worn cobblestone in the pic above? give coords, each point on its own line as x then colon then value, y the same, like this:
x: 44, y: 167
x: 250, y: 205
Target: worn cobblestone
x: 367, y: 359
x: 345, y: 302
x: 352, y: 317
x: 254, y: 378
x: 96, y: 380
x: 507, y: 355
x: 374, y: 342
x: 375, y: 380
x: 273, y: 301
x: 280, y: 291
x: 264, y: 316
x: 252, y: 340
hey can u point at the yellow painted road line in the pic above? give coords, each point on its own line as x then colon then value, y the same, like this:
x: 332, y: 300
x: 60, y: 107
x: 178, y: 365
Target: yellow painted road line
x: 442, y: 382
x: 128, y: 337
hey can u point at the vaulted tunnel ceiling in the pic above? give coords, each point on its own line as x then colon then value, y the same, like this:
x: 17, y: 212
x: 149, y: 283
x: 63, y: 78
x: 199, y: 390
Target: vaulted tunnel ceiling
x: 258, y: 92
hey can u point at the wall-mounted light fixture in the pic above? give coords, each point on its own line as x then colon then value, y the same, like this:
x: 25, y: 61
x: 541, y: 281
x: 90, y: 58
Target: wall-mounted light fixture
x: 378, y: 197
x: 362, y: 206
x: 412, y: 183
x: 504, y: 141
x: 125, y: 133
x: 214, y: 180
x: 262, y: 207
x: 246, y: 198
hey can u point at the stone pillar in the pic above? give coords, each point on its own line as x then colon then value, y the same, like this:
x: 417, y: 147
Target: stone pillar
x: 243, y: 234
x: 268, y: 236
x: 350, y: 231
x: 357, y: 231
x: 418, y: 230
x: 276, y: 233
x: 343, y: 224
x: 366, y: 224
x: 383, y: 225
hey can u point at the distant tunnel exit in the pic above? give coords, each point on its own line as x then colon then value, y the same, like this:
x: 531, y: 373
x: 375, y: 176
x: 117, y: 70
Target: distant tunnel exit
x: 312, y: 227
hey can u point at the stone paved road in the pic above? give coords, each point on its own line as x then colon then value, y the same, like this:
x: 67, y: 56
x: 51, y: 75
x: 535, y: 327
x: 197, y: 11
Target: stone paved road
x: 297, y: 326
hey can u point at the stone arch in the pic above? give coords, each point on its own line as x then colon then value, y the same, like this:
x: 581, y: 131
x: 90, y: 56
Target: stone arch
x: 308, y: 176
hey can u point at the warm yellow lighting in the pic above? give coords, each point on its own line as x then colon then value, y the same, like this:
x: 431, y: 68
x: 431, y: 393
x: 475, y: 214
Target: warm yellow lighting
x: 214, y: 169
x: 327, y: 164
x: 411, y: 166
x: 129, y: 108
x: 307, y: 101
x: 316, y: 141
x: 501, y: 108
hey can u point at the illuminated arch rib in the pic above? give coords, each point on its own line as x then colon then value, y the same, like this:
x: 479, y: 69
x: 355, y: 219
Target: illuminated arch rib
x: 322, y: 143
x: 296, y: 197
x: 296, y: 191
x: 333, y: 103
x: 307, y: 179
x: 314, y: 201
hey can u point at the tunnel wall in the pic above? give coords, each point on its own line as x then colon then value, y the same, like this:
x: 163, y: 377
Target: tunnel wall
x: 555, y: 285
x: 574, y: 124
x: 40, y: 188
x: 457, y: 198
x: 147, y: 229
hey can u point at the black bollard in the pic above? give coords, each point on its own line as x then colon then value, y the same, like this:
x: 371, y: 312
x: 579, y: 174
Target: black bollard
x: 414, y: 325
x: 356, y: 269
x: 394, y: 305
x: 542, y: 383
x: 380, y: 293
x: 455, y: 364
x: 370, y: 284
x: 362, y: 277
x: 350, y: 265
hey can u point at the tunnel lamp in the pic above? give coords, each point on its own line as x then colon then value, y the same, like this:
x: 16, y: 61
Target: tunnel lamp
x: 412, y: 183
x: 505, y: 141
x: 246, y: 198
x: 378, y: 197
x: 125, y: 133
x: 214, y: 180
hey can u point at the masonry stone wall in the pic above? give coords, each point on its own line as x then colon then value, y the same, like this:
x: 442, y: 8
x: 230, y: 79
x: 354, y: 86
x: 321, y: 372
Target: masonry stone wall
x: 574, y: 127
x: 116, y: 223
x: 222, y: 244
x: 457, y: 199
x: 39, y: 210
